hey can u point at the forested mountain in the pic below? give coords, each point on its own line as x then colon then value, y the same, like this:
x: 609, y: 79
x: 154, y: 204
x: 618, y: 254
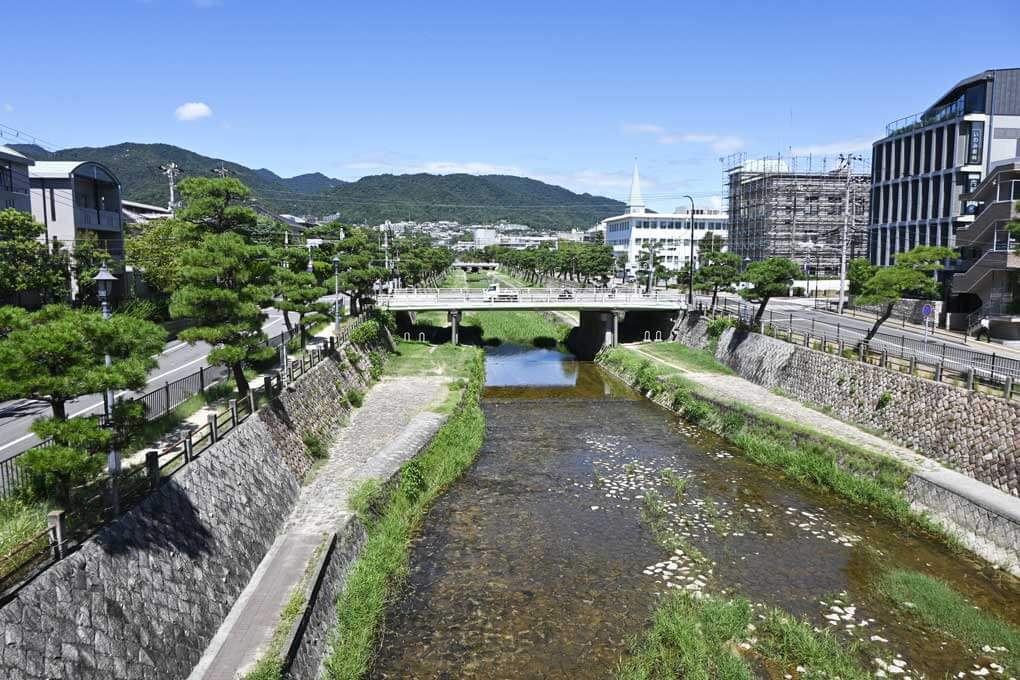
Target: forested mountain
x: 373, y: 199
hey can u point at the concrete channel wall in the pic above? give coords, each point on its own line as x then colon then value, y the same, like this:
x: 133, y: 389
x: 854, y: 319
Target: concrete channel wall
x: 143, y: 598
x: 972, y: 432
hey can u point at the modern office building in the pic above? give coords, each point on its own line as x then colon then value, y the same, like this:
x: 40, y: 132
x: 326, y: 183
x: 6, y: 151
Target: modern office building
x: 668, y: 233
x: 927, y: 161
x: 14, y: 182
x: 796, y: 208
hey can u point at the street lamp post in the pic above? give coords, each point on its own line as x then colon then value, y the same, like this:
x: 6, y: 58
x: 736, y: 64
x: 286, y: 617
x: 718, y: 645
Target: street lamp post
x: 104, y: 286
x: 336, y: 294
x: 690, y: 287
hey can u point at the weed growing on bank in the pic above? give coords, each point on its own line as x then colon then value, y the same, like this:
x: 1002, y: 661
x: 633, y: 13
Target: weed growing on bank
x: 391, y: 517
x: 935, y: 605
x: 713, y: 638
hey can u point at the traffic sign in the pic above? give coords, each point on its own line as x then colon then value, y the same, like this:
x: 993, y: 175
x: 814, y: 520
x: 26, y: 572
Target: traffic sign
x: 927, y: 310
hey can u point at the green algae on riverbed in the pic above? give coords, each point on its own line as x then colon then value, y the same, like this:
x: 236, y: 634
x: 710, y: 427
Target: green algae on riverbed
x: 537, y: 562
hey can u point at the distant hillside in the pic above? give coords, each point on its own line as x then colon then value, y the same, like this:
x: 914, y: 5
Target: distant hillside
x: 374, y: 199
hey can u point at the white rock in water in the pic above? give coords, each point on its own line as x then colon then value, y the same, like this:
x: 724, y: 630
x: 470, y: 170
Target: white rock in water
x: 878, y: 638
x: 594, y: 507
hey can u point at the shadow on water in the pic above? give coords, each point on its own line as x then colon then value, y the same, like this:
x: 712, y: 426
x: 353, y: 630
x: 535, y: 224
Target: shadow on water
x: 537, y: 563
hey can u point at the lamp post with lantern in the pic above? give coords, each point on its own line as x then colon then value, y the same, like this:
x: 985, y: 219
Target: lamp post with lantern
x: 104, y: 287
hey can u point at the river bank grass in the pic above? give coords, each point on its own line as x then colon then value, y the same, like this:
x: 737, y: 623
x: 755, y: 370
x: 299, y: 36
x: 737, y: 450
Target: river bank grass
x: 692, y: 359
x: 391, y: 517
x: 713, y: 638
x: 520, y: 328
x: 935, y: 605
x: 865, y: 478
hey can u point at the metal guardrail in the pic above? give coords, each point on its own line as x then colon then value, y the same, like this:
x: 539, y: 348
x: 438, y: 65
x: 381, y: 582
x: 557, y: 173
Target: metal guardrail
x: 943, y: 361
x: 525, y: 297
x: 103, y: 500
x: 162, y: 400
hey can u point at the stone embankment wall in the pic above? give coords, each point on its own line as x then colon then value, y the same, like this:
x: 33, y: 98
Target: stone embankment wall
x: 143, y: 598
x: 974, y: 433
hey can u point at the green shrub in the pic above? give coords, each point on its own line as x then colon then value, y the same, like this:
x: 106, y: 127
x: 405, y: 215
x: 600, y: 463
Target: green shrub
x: 366, y: 332
x: 646, y: 377
x: 316, y: 449
x: 353, y: 356
x: 883, y: 400
x: 146, y: 310
x: 412, y: 479
x: 720, y: 324
x: 386, y: 318
x: 732, y: 423
x: 76, y: 457
x: 697, y: 411
x: 356, y: 398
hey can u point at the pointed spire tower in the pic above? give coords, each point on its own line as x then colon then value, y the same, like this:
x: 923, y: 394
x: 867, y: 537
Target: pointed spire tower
x: 635, y: 204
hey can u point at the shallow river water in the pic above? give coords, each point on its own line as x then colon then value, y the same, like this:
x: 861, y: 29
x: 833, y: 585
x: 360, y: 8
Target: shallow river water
x: 537, y: 564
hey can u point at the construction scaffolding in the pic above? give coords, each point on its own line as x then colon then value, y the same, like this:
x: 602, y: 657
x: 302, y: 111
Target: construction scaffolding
x: 795, y: 207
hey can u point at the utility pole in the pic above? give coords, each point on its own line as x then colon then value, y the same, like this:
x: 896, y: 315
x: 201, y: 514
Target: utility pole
x: 221, y: 171
x: 171, y: 170
x: 690, y: 285
x: 849, y: 160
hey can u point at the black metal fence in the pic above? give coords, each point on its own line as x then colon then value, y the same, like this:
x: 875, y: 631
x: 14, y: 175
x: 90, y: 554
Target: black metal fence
x: 96, y: 503
x: 940, y: 361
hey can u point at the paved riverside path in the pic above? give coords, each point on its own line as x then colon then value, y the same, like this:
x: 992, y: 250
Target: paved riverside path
x: 391, y: 426
x: 737, y: 390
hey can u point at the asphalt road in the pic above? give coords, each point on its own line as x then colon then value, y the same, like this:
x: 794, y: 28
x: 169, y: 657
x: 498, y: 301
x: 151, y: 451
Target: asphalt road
x: 177, y: 360
x: 893, y: 337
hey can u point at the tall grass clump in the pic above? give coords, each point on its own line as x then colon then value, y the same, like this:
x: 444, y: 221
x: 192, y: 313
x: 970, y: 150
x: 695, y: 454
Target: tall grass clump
x: 936, y: 605
x: 391, y: 522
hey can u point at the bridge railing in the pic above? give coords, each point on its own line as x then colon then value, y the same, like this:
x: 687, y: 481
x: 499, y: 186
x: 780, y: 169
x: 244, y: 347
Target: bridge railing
x: 410, y: 296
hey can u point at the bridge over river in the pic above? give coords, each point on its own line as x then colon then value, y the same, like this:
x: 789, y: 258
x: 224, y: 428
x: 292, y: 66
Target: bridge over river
x: 601, y: 309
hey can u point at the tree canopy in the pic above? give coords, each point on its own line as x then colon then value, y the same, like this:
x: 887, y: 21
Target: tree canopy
x: 26, y: 262
x: 57, y: 354
x: 225, y: 282
x: 719, y: 270
x: 768, y: 278
x: 911, y: 274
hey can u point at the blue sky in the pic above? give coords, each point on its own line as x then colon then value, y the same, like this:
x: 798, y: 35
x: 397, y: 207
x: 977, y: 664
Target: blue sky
x: 567, y: 92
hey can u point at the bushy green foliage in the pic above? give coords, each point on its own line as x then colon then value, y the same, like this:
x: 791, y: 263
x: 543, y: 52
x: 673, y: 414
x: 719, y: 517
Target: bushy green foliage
x: 717, y: 325
x: 76, y: 457
x: 883, y: 400
x: 412, y: 479
x: 26, y: 262
x: 365, y: 333
x: 768, y: 278
x: 353, y: 356
x: 912, y: 274
x: 356, y: 398
x: 57, y: 354
x: 315, y: 447
x: 224, y: 285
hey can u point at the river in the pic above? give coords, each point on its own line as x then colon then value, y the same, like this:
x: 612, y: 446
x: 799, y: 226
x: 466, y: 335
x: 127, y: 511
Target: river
x: 538, y: 564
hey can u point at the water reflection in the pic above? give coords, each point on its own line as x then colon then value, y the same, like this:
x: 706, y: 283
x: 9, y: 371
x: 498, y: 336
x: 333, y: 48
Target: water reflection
x: 537, y: 563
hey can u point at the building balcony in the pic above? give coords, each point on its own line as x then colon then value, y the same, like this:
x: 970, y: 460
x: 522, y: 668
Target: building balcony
x: 15, y: 199
x: 987, y: 220
x: 1002, y: 258
x: 102, y: 220
x: 919, y: 120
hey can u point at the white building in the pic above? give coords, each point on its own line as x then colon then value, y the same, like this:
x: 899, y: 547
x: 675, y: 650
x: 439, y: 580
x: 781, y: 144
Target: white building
x: 71, y: 198
x: 668, y: 233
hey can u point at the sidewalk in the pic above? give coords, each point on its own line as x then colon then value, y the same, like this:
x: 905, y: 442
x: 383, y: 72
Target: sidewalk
x: 391, y: 426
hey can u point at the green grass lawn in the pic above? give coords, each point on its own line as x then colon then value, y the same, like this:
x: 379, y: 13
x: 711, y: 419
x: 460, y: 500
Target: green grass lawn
x: 415, y: 358
x: 698, y: 360
x: 517, y: 327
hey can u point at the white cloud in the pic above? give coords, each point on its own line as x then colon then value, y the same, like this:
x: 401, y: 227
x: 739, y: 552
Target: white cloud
x: 833, y: 148
x: 718, y: 143
x: 192, y: 111
x: 8, y: 107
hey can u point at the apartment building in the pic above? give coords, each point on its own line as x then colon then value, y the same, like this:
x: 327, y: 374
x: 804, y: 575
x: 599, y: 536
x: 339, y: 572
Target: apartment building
x: 72, y: 198
x: 14, y: 182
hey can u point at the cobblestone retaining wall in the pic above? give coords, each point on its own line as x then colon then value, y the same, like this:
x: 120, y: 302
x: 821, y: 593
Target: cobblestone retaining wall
x: 142, y: 599
x: 969, y: 431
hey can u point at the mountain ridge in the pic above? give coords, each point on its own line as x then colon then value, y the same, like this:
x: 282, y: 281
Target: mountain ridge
x: 372, y: 199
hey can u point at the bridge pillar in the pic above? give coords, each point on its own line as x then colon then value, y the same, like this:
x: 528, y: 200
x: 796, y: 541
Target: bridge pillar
x: 454, y: 318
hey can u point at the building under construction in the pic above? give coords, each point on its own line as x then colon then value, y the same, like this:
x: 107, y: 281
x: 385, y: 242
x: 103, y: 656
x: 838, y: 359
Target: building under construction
x: 795, y: 207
